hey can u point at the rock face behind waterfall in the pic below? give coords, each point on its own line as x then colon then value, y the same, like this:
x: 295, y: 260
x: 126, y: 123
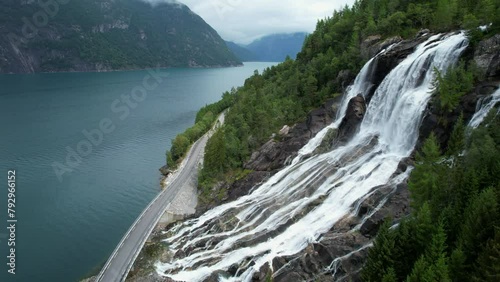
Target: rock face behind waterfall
x: 487, y: 58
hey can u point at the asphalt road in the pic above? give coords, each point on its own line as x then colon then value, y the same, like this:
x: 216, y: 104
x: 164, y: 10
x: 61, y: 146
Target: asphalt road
x: 122, y: 259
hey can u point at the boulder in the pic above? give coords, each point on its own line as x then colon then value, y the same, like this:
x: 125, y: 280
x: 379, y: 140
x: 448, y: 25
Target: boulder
x: 165, y: 171
x: 396, y: 207
x: 355, y: 112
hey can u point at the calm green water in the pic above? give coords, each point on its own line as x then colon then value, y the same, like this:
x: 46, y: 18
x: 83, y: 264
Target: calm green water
x: 67, y: 229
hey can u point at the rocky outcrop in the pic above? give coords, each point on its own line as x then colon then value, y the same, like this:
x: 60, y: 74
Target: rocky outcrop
x: 372, y: 45
x: 354, y: 114
x: 276, y: 152
x: 487, y: 56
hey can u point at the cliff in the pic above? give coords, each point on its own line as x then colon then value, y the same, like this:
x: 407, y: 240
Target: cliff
x: 92, y: 35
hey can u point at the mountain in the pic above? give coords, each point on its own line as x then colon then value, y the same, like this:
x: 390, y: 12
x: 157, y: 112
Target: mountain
x: 241, y: 52
x: 271, y: 48
x: 276, y: 47
x: 93, y: 35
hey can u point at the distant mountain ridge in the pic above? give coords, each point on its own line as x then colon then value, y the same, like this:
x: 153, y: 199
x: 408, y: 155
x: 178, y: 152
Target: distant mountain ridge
x: 101, y: 35
x: 271, y: 48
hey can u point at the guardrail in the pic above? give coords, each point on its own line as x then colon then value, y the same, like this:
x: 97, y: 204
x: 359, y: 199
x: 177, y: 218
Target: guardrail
x: 132, y: 227
x: 130, y: 263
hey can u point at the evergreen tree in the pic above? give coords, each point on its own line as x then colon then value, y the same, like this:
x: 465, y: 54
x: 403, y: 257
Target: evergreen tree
x: 390, y: 276
x: 480, y: 218
x: 488, y: 263
x: 457, y: 266
x: 456, y: 144
x: 432, y: 266
x: 425, y: 177
x: 380, y: 259
x: 215, y: 153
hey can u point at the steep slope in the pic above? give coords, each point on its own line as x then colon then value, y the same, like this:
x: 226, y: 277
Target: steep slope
x: 273, y: 212
x: 241, y: 52
x: 91, y: 35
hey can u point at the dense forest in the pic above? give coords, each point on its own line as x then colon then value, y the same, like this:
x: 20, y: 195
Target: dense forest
x: 453, y: 233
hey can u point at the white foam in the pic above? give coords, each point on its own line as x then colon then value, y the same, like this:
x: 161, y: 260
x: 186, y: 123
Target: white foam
x: 304, y: 200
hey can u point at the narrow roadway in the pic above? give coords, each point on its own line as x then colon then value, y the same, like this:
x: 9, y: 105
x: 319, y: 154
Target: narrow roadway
x: 123, y: 257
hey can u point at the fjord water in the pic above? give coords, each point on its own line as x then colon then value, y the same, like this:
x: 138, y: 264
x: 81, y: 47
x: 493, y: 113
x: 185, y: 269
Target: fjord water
x: 306, y: 199
x: 67, y: 229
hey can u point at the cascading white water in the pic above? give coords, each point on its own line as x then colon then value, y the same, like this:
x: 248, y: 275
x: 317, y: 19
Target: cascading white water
x: 484, y: 106
x: 361, y: 85
x: 304, y: 200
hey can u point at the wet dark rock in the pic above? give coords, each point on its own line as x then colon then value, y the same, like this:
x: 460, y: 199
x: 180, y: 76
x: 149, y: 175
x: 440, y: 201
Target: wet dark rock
x: 165, y: 171
x: 263, y: 273
x: 352, y: 120
x: 487, y: 58
x: 390, y: 59
x: 314, y: 262
x: 396, y: 207
x: 344, y: 79
x: 214, y: 277
x: 442, y: 123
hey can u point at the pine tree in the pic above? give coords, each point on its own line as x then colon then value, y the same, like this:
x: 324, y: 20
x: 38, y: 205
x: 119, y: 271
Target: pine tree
x: 457, y: 266
x: 419, y: 270
x: 215, y: 153
x: 432, y: 266
x: 456, y: 144
x: 480, y: 218
x: 425, y: 177
x: 390, y: 276
x: 488, y: 263
x: 380, y: 259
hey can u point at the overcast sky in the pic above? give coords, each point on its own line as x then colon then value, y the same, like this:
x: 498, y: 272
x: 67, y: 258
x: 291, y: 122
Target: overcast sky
x: 243, y: 21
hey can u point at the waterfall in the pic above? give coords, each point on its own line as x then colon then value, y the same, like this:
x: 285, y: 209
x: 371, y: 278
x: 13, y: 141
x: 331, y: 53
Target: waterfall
x: 360, y: 86
x: 484, y: 106
x: 305, y: 200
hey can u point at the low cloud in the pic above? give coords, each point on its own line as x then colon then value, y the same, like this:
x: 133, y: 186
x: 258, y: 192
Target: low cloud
x: 243, y: 21
x: 156, y: 2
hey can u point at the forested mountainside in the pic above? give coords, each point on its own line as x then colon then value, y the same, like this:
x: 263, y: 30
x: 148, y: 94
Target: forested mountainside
x: 241, y: 52
x: 270, y: 48
x: 99, y: 35
x: 440, y: 224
